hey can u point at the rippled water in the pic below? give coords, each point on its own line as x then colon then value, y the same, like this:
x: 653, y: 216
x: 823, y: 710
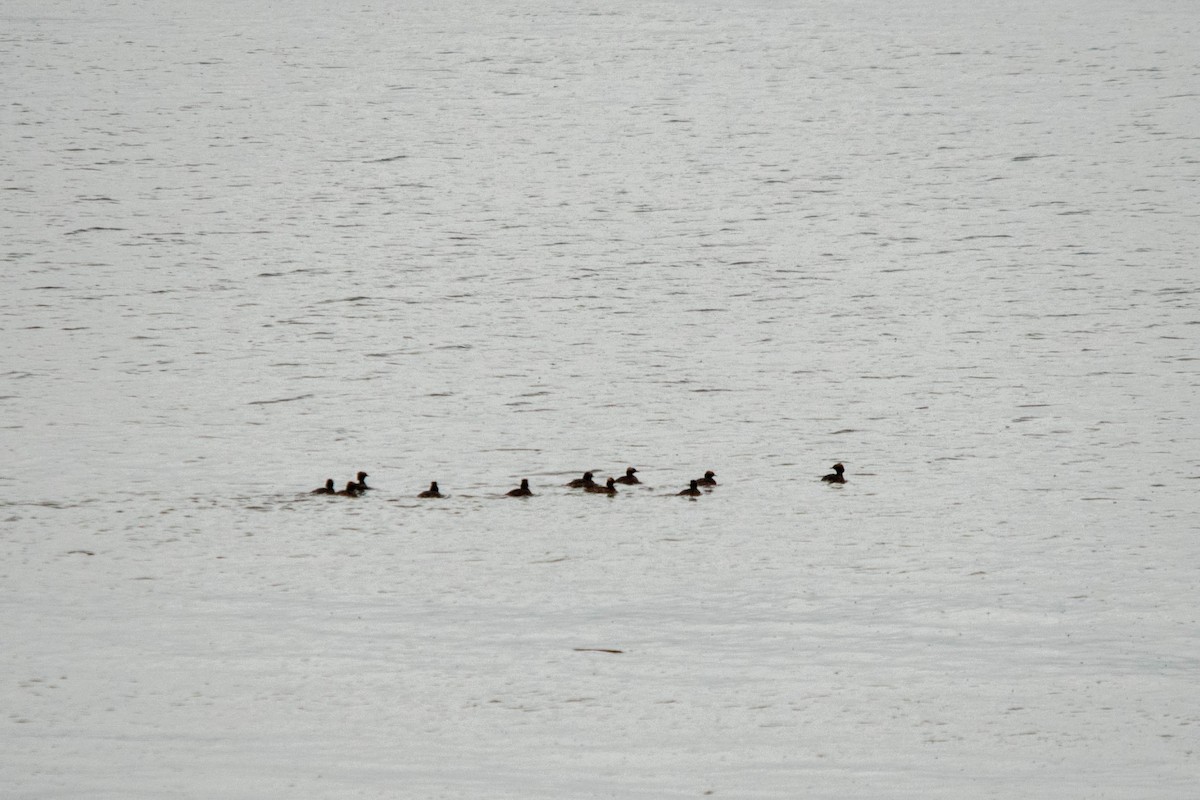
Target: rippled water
x: 251, y: 246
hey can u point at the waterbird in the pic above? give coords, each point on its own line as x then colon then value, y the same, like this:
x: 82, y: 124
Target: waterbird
x: 708, y: 479
x: 836, y: 476
x: 522, y: 490
x: 582, y: 483
x: 326, y: 489
x: 362, y: 482
x: 351, y: 490
x: 432, y: 491
x: 628, y: 477
x: 608, y: 488
x: 693, y: 490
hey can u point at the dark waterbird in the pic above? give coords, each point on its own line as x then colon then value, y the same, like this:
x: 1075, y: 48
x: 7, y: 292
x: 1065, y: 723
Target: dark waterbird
x: 628, y: 478
x: 608, y: 488
x: 522, y: 490
x: 836, y: 476
x: 582, y: 483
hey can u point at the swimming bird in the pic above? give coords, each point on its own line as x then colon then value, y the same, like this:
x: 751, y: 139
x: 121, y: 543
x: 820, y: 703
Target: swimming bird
x: 582, y: 483
x: 628, y: 477
x: 693, y: 490
x: 608, y: 488
x: 362, y: 482
x: 708, y: 479
x: 522, y: 490
x: 836, y: 476
x: 432, y: 491
x: 351, y: 490
x: 326, y: 489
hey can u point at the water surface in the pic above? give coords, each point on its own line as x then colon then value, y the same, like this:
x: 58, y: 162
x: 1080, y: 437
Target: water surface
x: 250, y: 247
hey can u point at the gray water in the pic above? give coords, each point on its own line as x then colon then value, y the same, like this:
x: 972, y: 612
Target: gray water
x: 249, y: 246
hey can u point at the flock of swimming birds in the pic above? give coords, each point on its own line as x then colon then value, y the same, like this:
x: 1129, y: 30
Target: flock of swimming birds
x: 358, y: 486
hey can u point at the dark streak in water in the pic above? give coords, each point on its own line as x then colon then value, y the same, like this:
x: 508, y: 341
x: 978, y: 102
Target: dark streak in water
x: 280, y: 400
x: 90, y: 230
